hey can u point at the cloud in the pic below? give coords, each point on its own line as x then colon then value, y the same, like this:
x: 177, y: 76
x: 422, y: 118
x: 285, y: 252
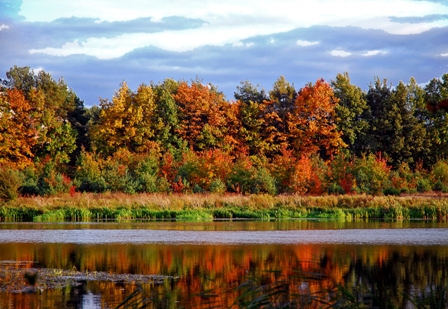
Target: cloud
x: 340, y: 53
x: 419, y: 19
x: 306, y: 43
x: 99, y: 44
x: 3, y: 26
x: 176, y: 40
x: 122, y: 28
x: 372, y: 53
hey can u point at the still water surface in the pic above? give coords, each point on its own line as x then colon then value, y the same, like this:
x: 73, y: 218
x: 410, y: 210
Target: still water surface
x: 393, y: 258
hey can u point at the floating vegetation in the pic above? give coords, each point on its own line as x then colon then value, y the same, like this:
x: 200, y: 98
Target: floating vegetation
x: 14, y: 278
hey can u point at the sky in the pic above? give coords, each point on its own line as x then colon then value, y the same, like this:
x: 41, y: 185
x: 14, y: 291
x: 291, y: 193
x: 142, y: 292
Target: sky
x: 95, y: 45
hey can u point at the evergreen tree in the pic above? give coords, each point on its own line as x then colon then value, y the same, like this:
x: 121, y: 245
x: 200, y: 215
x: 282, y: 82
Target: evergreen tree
x: 349, y: 111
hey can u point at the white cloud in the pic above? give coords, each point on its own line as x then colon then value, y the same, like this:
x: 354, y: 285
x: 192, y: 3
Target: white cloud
x: 444, y: 55
x: 306, y: 43
x: 271, y: 41
x: 372, y: 53
x: 3, y: 26
x: 340, y: 53
x: 228, y: 22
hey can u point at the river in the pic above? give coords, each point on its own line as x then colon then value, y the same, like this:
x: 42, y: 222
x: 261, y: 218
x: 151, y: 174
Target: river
x: 228, y: 264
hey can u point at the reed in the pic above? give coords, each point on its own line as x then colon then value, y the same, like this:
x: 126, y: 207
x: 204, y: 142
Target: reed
x: 121, y: 206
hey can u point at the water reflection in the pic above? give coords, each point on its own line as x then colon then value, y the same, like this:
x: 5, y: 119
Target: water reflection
x: 209, y: 273
x: 223, y: 225
x: 404, y: 236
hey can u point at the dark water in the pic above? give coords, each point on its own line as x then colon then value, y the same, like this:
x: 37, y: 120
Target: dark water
x: 394, y: 262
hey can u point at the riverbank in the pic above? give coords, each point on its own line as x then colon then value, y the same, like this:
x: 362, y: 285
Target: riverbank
x: 118, y: 206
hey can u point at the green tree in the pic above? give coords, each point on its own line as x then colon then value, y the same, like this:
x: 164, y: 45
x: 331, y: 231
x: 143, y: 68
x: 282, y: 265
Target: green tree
x: 377, y: 99
x: 406, y: 134
x: 247, y: 93
x: 251, y: 106
x: 437, y: 121
x: 166, y: 119
x: 352, y: 104
x: 396, y: 129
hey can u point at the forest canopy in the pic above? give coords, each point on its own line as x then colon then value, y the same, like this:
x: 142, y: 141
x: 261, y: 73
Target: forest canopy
x: 179, y: 136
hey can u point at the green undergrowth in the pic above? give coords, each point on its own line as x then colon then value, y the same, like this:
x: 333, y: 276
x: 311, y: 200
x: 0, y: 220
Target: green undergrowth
x: 87, y: 207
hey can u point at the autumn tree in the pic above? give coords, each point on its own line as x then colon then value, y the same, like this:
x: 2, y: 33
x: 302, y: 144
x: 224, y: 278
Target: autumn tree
x: 51, y: 102
x: 312, y: 124
x: 201, y: 115
x: 18, y: 132
x: 126, y: 121
x: 275, y: 114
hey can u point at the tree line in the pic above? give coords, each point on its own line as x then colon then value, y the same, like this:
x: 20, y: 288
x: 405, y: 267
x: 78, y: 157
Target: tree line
x: 179, y: 136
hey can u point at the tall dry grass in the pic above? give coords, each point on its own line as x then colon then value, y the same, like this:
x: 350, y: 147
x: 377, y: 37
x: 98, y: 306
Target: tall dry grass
x: 130, y: 206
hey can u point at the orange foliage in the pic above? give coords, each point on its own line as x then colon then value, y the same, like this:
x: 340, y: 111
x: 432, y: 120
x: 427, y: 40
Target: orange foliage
x: 301, y: 176
x: 312, y: 125
x: 18, y: 134
x: 201, y: 117
x: 214, y: 164
x: 168, y: 167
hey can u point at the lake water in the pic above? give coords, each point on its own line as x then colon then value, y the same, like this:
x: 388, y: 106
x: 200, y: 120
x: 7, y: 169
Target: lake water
x: 224, y: 264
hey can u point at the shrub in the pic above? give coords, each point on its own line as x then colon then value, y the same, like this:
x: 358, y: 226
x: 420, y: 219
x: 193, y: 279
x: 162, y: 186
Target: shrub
x: 198, y: 189
x: 391, y: 191
x: 340, y: 177
x: 334, y: 188
x: 10, y: 182
x: 403, y: 178
x: 301, y: 176
x: 439, y: 172
x: 163, y: 185
x: 146, y: 171
x: 423, y: 185
x: 189, y: 168
x: 372, y: 174
x: 29, y: 181
x: 51, y: 182
x: 147, y: 182
x: 242, y: 175
x: 438, y: 186
x: 282, y: 168
x: 118, y: 178
x: 264, y: 182
x: 217, y: 186
x: 88, y: 173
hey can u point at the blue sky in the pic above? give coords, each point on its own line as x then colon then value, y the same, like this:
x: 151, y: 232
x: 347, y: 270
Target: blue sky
x: 96, y: 44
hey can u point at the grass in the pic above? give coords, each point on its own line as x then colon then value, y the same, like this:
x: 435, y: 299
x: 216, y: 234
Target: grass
x: 197, y: 207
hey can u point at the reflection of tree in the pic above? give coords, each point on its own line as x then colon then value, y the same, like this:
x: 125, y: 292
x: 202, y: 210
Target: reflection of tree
x: 381, y: 276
